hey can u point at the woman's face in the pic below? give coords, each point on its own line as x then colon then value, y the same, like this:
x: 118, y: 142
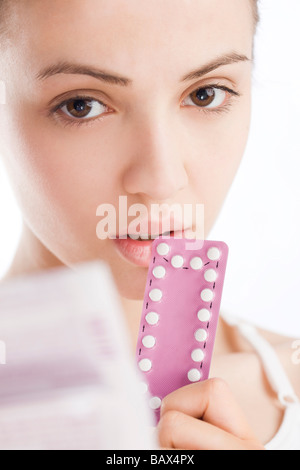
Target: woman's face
x: 172, y: 130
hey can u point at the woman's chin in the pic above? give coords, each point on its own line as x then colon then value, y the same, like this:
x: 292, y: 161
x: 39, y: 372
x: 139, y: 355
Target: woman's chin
x: 131, y: 282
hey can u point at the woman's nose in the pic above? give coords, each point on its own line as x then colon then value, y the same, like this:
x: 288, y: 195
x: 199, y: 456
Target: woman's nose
x: 157, y: 162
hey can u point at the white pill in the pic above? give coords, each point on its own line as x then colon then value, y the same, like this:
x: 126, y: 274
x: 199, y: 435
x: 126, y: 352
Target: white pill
x: 194, y: 375
x: 204, y: 315
x: 155, y: 403
x: 159, y: 272
x: 201, y: 335
x: 163, y: 249
x: 213, y: 254
x: 177, y: 261
x: 149, y: 341
x: 143, y: 387
x: 197, y: 355
x: 152, y: 318
x: 210, y: 275
x: 145, y: 365
x: 196, y: 263
x: 155, y: 295
x: 207, y: 295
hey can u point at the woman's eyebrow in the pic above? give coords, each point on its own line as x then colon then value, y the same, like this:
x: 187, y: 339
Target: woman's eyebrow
x: 220, y: 61
x: 77, y: 69
x: 114, y: 79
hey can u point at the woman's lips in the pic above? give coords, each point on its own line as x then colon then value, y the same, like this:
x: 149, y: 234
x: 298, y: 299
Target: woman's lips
x: 138, y: 252
x: 135, y: 251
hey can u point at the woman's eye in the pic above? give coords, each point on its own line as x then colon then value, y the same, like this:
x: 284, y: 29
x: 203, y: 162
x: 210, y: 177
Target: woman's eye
x: 81, y: 108
x: 211, y: 97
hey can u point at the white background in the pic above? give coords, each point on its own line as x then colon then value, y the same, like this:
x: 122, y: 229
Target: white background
x: 260, y: 220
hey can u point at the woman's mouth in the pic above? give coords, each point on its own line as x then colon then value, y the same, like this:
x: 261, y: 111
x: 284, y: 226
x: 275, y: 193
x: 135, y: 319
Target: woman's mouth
x: 138, y: 251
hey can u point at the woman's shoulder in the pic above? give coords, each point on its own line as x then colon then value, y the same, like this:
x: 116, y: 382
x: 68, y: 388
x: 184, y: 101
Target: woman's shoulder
x: 288, y: 351
x: 287, y: 348
x: 276, y: 339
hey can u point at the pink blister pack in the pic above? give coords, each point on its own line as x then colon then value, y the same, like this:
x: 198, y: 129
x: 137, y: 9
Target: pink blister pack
x: 180, y: 315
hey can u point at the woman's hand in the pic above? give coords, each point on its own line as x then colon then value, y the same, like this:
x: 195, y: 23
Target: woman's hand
x: 204, y: 416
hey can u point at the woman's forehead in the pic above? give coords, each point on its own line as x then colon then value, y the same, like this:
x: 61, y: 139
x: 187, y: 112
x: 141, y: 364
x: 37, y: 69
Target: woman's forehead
x: 136, y: 39
x: 144, y: 27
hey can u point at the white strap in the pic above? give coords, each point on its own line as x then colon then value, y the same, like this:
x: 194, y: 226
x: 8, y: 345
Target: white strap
x: 274, y: 370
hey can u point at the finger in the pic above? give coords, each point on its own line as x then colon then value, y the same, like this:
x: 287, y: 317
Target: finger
x: 179, y: 431
x: 213, y: 402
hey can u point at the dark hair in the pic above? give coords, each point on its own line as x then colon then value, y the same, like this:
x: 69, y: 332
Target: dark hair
x: 255, y: 11
x: 3, y: 16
